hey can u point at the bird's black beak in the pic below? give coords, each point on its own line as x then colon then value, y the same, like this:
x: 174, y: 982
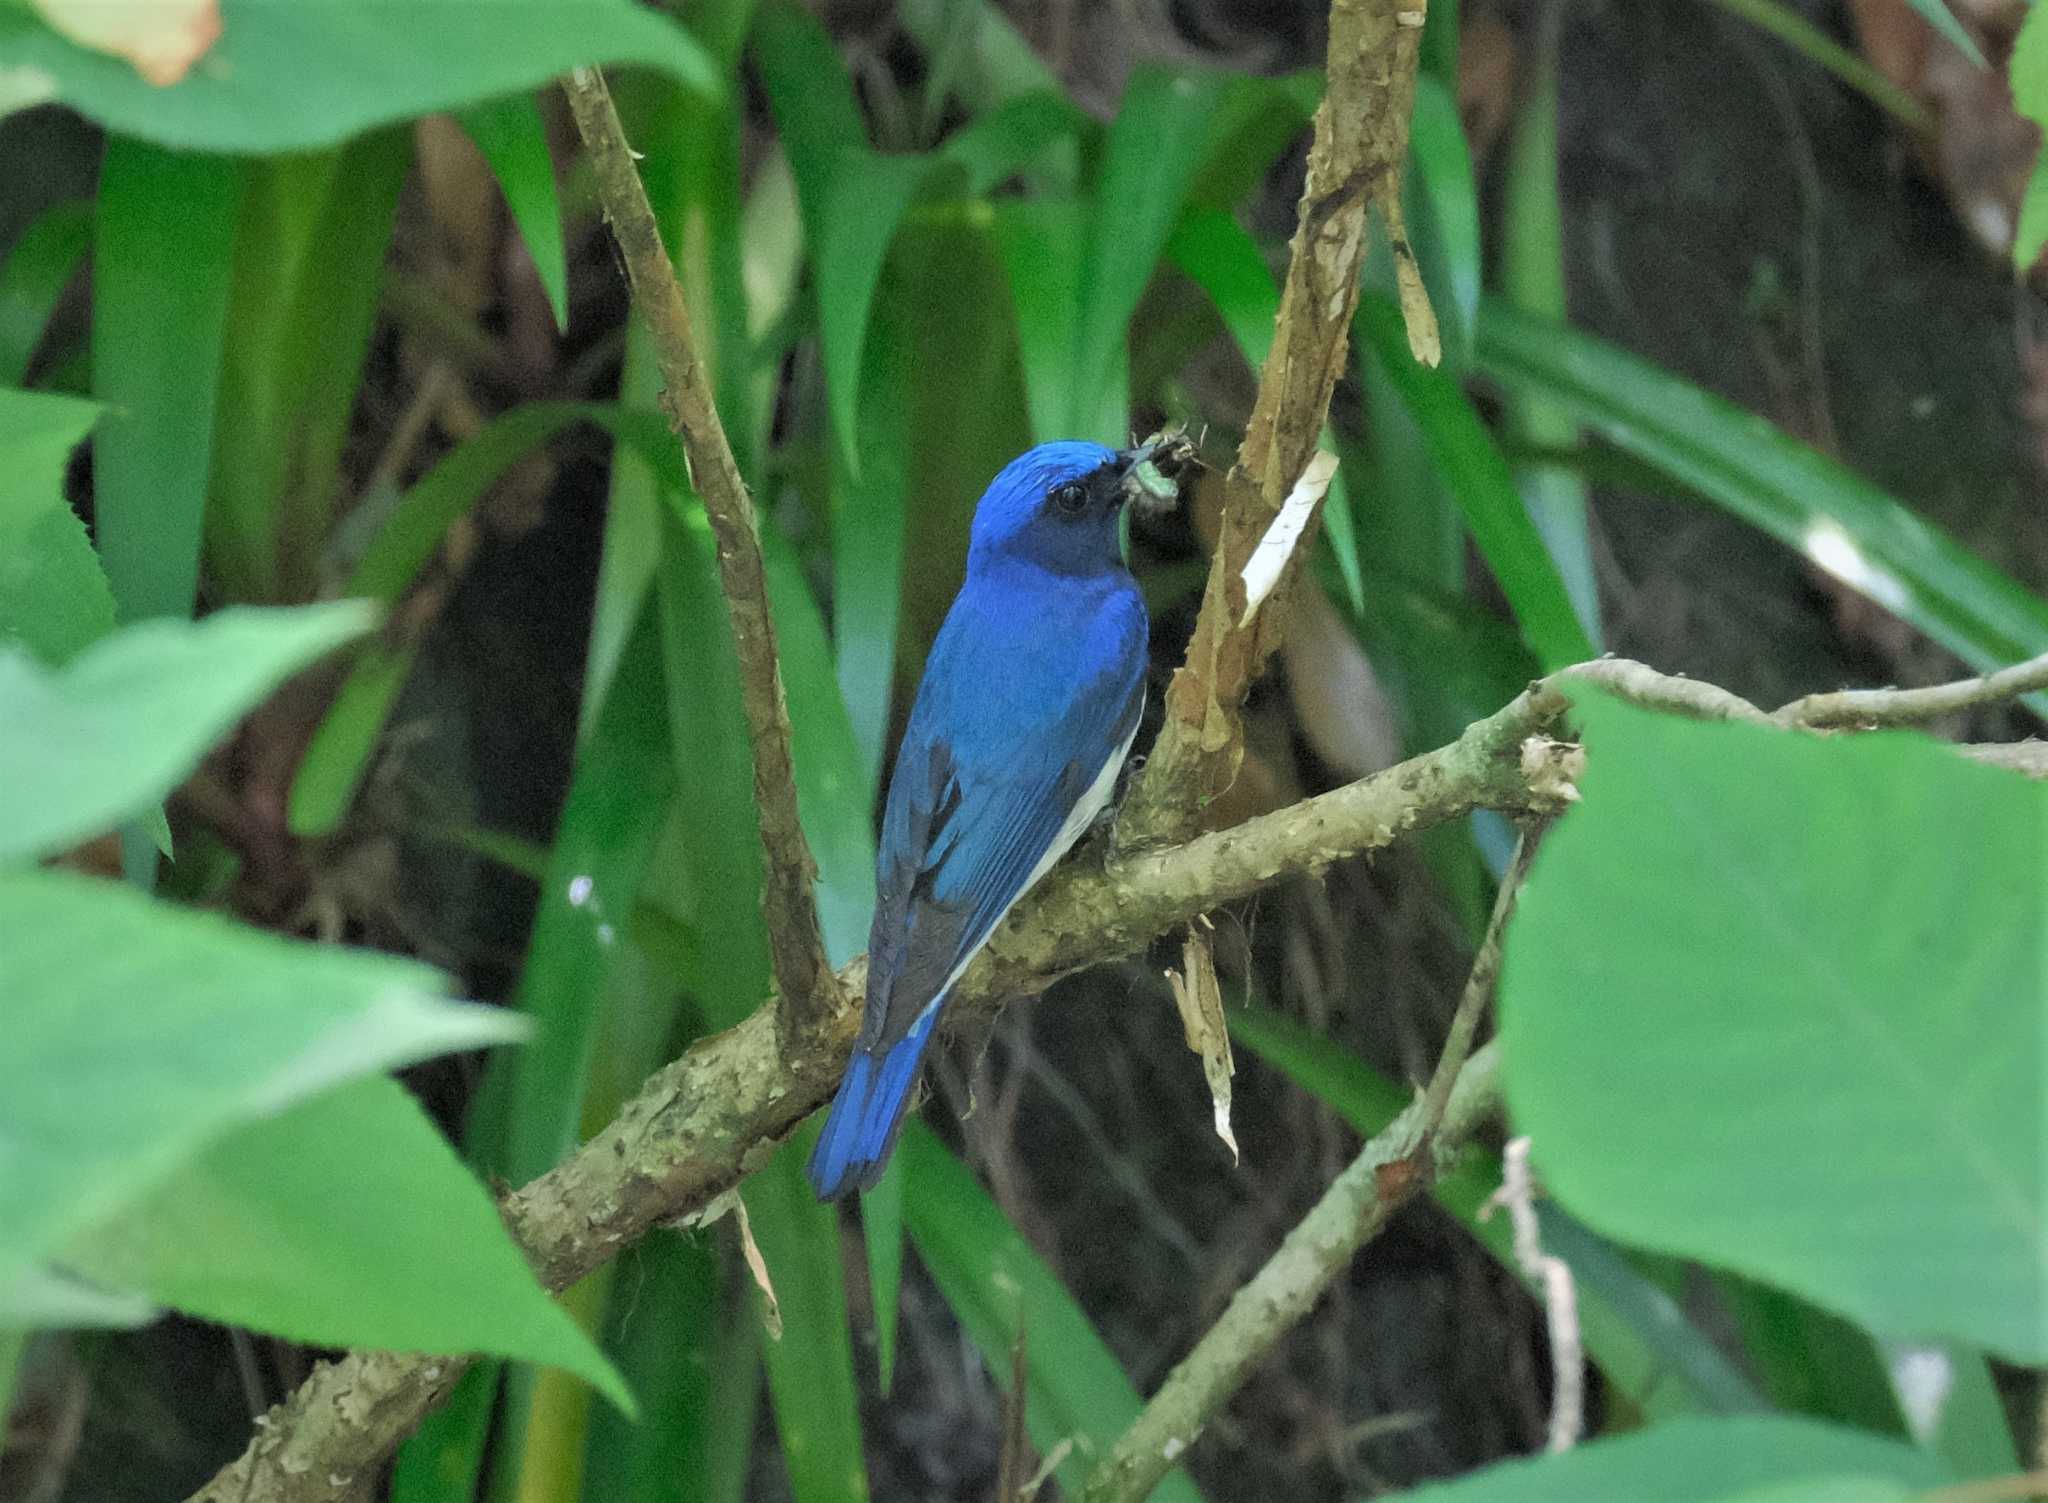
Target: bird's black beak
x: 1152, y: 472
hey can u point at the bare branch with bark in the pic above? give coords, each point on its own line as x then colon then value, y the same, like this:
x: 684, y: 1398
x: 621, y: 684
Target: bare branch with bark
x: 803, y: 977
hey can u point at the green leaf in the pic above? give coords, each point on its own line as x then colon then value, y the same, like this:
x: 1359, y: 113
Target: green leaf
x: 345, y: 1220
x: 41, y: 1297
x: 1155, y: 147
x: 1532, y: 279
x: 1785, y: 23
x: 1937, y: 14
x: 881, y: 1225
x: 1041, y: 244
x: 1645, y: 1344
x: 693, y: 1358
x: 340, y: 751
x: 287, y: 75
x: 996, y: 1284
x: 1006, y: 140
x: 1748, y: 1457
x: 160, y: 300
x: 1736, y: 459
x: 1732, y: 1042
x: 37, y: 270
x: 2028, y: 73
x: 315, y: 231
x: 869, y: 195
x: 513, y: 138
x: 110, y: 734
x: 810, y: 1370
x: 54, y: 600
x: 1471, y: 463
x: 138, y: 1032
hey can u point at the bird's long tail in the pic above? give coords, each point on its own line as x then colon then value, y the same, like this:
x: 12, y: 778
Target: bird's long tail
x: 867, y: 1113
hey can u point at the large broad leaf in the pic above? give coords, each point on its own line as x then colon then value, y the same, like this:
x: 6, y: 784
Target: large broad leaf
x: 53, y: 598
x: 111, y: 733
x: 137, y: 1032
x: 346, y: 1220
x: 1736, y: 459
x: 1749, y: 1457
x: 998, y: 1287
x: 2029, y: 76
x: 291, y: 74
x: 1756, y: 1014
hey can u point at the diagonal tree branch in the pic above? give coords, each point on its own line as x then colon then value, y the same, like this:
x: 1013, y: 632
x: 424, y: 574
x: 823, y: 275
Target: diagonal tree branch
x: 1400, y: 1160
x: 707, y: 1120
x: 1361, y: 142
x: 803, y: 978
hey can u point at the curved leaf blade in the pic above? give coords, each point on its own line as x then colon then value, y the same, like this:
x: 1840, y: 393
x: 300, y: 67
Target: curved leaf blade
x: 346, y: 1220
x: 286, y: 76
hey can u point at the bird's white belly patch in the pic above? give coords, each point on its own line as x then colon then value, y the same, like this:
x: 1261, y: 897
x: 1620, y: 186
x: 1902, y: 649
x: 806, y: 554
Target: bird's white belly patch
x: 1090, y: 804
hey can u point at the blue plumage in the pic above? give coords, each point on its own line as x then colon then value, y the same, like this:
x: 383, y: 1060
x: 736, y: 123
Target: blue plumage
x: 1027, y: 709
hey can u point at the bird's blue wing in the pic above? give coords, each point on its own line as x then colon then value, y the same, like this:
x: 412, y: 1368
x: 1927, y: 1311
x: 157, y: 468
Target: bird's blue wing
x: 968, y: 833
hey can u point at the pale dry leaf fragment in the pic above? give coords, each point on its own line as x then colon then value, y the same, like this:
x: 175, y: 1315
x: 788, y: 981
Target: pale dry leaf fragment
x: 1425, y: 340
x: 1199, y: 997
x: 1552, y: 769
x: 771, y: 1311
x: 160, y: 39
x: 1263, y: 569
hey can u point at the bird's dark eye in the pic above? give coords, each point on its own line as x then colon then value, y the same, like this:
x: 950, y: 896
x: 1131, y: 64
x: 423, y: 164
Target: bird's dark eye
x: 1071, y: 498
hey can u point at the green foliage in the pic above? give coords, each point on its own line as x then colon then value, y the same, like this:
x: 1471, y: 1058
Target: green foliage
x: 254, y: 90
x: 1866, y: 1027
x: 1776, y: 1057
x: 273, y: 1227
x: 54, y: 600
x: 1736, y: 1460
x: 109, y: 734
x: 111, y: 1084
x: 1842, y: 523
x: 1003, y: 1293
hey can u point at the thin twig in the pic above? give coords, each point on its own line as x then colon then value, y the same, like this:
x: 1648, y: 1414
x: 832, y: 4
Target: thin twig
x: 704, y: 1122
x: 1386, y: 1172
x: 1350, y: 1213
x: 1355, y: 159
x: 1479, y: 987
x: 803, y: 978
x: 1859, y: 708
x: 1560, y: 1295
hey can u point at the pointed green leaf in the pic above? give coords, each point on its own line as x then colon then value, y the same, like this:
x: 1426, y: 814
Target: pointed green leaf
x: 1154, y: 149
x: 54, y: 600
x: 287, y: 75
x: 1730, y: 1460
x: 138, y: 1032
x: 160, y: 299
x: 1466, y: 455
x: 1739, y: 461
x: 513, y: 138
x: 110, y: 734
x: 345, y: 1220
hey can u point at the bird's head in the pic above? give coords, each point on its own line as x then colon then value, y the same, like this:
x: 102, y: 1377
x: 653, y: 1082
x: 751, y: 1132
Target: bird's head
x: 1058, y: 505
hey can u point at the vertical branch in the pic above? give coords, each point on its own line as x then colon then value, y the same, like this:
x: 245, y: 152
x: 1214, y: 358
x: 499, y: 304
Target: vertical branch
x: 804, y: 983
x: 1361, y: 141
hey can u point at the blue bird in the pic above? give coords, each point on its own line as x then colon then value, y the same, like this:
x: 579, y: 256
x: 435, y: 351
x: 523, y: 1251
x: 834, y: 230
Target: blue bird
x: 1029, y: 701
